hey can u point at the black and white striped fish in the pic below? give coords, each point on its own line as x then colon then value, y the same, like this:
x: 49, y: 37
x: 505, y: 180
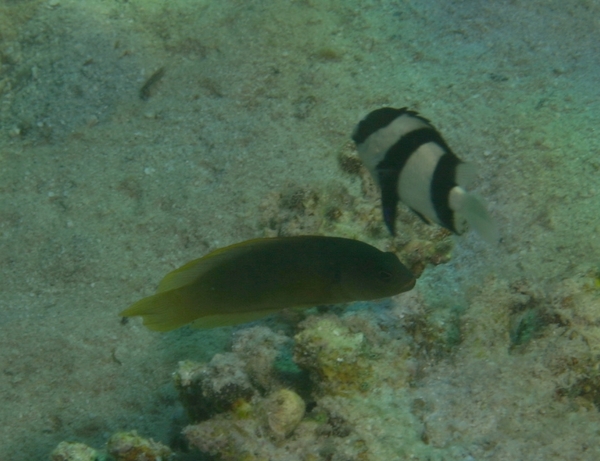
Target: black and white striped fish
x: 412, y: 163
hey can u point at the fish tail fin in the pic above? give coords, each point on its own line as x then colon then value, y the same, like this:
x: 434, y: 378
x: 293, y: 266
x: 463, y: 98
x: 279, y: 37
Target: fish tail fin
x: 474, y: 211
x: 163, y: 311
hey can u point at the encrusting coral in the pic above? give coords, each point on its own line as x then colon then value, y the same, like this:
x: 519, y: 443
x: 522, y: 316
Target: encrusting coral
x: 344, y: 358
x: 371, y: 384
x: 122, y: 446
x: 284, y: 409
x: 333, y: 355
x: 208, y: 389
x: 266, y: 356
x: 73, y: 451
x: 129, y: 446
x: 259, y: 432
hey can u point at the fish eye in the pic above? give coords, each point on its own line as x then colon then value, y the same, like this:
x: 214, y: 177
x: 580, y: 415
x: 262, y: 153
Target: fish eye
x: 384, y: 276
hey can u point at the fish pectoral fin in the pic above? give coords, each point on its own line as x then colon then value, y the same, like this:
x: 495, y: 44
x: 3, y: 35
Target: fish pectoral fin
x: 422, y: 216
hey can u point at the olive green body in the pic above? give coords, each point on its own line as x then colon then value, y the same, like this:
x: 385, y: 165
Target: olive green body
x: 252, y: 279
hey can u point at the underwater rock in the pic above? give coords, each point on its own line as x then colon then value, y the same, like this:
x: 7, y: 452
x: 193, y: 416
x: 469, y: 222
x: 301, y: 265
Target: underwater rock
x: 284, y: 410
x: 352, y: 427
x: 291, y: 212
x: 129, y: 446
x: 263, y: 353
x: 73, y: 451
x: 333, y: 355
x: 434, y: 329
x: 216, y: 387
x: 345, y: 357
x: 419, y: 252
x: 231, y: 439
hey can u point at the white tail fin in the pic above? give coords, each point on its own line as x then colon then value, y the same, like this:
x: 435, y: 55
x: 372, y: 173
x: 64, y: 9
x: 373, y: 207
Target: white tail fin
x: 473, y: 210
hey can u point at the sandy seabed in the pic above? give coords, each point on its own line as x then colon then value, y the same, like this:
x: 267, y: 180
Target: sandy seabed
x: 110, y: 178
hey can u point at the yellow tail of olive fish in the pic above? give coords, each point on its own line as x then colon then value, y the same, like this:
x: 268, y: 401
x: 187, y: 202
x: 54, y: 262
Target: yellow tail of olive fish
x: 252, y: 279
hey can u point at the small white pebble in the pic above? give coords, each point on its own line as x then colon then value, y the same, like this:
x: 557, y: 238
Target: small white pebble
x: 92, y: 121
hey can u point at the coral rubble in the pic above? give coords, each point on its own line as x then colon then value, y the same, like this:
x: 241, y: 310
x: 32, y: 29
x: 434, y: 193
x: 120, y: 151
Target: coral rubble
x: 73, y: 451
x: 209, y: 389
x: 421, y: 379
x: 344, y: 357
x: 129, y: 446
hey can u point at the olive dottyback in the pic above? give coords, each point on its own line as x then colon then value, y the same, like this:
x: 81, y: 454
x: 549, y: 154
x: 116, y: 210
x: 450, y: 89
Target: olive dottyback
x: 252, y: 279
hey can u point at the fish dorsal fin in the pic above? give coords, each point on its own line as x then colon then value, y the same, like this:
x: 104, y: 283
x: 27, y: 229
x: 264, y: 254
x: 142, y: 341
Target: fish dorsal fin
x: 190, y: 271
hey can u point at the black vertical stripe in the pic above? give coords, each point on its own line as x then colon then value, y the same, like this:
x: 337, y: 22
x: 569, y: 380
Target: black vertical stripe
x: 397, y: 155
x: 390, y: 168
x: 388, y: 182
x: 374, y: 121
x: 442, y: 182
x: 380, y: 118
